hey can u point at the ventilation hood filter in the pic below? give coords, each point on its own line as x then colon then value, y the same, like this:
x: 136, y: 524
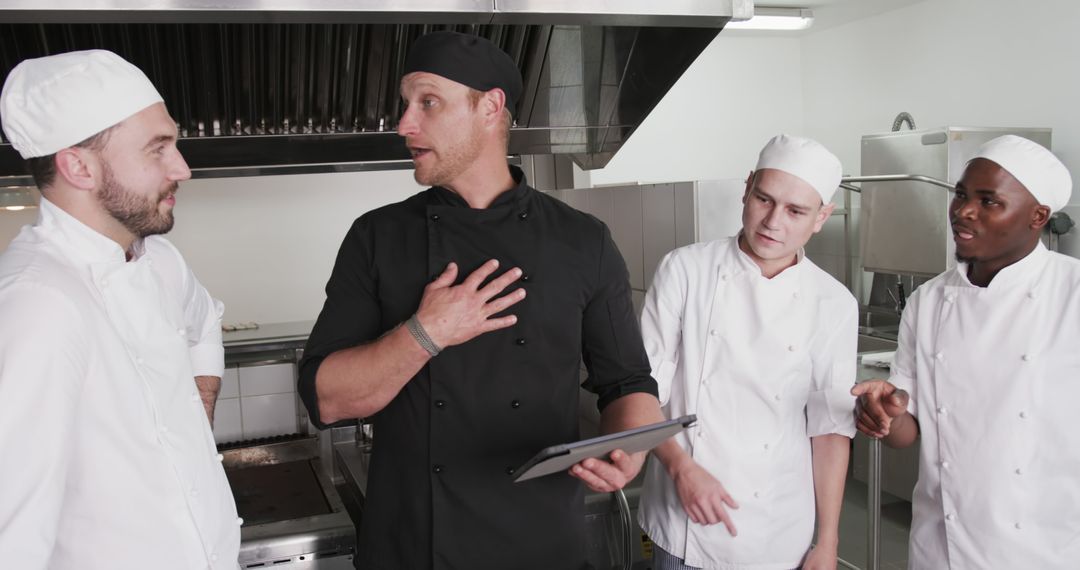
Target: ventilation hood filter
x: 312, y: 85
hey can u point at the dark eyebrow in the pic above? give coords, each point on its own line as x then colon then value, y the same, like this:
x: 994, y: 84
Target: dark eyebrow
x: 159, y: 140
x: 985, y: 192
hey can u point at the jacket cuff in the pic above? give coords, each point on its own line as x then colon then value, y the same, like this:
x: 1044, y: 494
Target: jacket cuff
x: 207, y: 359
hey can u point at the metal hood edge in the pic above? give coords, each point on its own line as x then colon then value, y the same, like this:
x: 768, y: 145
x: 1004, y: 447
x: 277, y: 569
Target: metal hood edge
x: 294, y: 86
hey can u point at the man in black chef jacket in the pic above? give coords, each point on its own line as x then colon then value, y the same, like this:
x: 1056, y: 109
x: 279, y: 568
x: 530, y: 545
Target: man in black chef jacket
x: 457, y: 320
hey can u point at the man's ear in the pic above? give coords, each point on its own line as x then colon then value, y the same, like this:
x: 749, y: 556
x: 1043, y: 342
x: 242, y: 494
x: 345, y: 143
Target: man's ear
x: 492, y: 104
x: 77, y: 167
x: 1040, y: 216
x: 823, y: 214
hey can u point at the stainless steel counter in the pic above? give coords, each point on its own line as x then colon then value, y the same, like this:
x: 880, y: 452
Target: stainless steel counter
x: 269, y: 342
x: 294, y: 516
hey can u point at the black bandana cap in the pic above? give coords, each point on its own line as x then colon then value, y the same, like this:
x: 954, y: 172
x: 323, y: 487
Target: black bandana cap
x: 469, y: 60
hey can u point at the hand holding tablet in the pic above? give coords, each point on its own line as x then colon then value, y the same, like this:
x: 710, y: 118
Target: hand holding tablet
x: 558, y: 458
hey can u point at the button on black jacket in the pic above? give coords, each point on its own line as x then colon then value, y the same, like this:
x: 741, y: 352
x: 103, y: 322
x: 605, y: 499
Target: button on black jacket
x: 440, y: 494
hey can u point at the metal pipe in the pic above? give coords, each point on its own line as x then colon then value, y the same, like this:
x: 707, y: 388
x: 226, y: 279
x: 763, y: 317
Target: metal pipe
x: 849, y: 270
x: 627, y: 524
x: 873, y: 508
x: 894, y: 178
x: 846, y: 564
x: 903, y: 117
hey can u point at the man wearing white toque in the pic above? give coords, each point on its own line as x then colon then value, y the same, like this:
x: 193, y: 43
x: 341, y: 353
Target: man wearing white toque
x: 110, y: 349
x: 759, y: 342
x: 988, y: 373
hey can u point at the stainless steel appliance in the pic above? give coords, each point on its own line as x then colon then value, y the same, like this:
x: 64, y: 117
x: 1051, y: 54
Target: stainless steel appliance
x: 904, y: 227
x: 297, y: 514
x: 294, y: 517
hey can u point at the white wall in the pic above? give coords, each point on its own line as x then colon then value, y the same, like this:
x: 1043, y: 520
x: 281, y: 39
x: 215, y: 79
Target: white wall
x: 265, y: 245
x: 990, y: 63
x: 947, y: 62
x: 738, y: 93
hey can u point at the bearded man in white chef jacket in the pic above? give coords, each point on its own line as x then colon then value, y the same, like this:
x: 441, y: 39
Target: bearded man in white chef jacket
x: 108, y: 344
x: 988, y: 373
x: 759, y: 342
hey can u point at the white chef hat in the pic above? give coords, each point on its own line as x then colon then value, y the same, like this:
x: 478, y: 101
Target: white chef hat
x: 806, y: 159
x: 53, y: 102
x: 1033, y: 165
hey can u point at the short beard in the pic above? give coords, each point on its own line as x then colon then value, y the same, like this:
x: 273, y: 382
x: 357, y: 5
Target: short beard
x: 138, y: 214
x: 454, y: 160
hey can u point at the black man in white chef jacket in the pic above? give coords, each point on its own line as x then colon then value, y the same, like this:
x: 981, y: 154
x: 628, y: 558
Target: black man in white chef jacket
x: 987, y: 372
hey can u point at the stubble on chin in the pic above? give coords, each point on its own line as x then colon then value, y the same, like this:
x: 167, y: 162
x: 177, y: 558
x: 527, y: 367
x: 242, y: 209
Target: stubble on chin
x: 140, y: 215
x: 423, y: 178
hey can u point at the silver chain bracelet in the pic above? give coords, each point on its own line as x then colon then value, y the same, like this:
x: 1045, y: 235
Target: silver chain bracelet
x: 417, y: 331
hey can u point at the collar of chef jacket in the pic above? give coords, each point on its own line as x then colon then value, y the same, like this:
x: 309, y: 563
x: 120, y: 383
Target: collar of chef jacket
x: 514, y: 195
x: 788, y: 275
x: 81, y: 242
x: 1017, y: 274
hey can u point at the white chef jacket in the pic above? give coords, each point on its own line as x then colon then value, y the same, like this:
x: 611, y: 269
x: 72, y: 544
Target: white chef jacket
x: 994, y: 378
x: 766, y: 364
x: 108, y: 458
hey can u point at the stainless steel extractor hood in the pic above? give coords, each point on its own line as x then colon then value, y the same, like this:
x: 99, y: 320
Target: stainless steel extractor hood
x: 286, y: 86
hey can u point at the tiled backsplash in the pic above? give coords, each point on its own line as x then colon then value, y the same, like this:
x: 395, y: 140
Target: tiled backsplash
x: 256, y: 401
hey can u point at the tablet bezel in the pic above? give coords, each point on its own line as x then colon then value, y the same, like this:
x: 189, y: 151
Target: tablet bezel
x: 557, y: 458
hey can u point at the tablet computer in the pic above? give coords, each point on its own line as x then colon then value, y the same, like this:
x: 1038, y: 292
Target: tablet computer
x: 561, y: 457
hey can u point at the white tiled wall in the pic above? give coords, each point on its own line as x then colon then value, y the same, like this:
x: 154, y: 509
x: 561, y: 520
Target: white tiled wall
x: 227, y: 426
x: 268, y: 379
x: 230, y: 384
x: 626, y: 230
x: 256, y: 401
x: 646, y: 222
x: 658, y: 207
x: 270, y: 414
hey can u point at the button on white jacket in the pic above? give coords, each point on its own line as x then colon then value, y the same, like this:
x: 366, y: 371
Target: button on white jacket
x: 994, y: 378
x: 108, y: 458
x: 766, y: 364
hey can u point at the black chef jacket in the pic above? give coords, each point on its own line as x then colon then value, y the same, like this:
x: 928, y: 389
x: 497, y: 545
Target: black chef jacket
x: 439, y: 492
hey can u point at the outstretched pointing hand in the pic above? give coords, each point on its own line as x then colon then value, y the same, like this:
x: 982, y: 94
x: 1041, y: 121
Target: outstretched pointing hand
x: 877, y: 403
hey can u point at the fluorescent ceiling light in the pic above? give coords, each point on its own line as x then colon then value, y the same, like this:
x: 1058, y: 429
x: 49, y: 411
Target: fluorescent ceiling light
x: 775, y: 19
x: 15, y: 198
